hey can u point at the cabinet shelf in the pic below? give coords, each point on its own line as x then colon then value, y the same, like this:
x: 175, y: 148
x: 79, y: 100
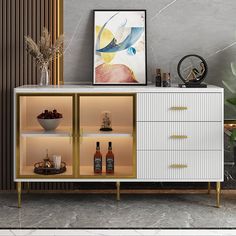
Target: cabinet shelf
x: 118, y: 131
x: 38, y: 132
x: 120, y: 171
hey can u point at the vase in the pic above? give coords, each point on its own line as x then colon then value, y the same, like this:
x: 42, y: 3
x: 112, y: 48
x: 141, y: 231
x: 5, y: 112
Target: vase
x: 44, y: 79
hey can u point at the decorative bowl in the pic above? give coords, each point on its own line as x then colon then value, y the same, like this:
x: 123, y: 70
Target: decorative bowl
x: 49, y: 124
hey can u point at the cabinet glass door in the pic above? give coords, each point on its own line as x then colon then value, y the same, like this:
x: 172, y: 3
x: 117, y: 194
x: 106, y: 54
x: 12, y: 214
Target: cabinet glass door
x: 105, y: 118
x: 45, y: 136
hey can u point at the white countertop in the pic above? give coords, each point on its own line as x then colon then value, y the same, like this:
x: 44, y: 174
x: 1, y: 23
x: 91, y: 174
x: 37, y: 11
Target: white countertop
x: 110, y: 89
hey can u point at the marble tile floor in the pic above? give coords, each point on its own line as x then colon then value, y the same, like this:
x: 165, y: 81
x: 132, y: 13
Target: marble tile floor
x: 115, y: 232
x: 100, y: 211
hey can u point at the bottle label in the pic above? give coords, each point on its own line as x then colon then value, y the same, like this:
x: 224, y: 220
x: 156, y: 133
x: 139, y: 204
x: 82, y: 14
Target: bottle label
x: 97, y: 164
x: 110, y: 164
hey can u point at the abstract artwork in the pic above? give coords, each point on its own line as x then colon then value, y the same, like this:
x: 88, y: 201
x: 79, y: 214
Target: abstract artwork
x: 119, y: 47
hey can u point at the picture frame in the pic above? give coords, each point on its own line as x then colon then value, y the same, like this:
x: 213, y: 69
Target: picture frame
x: 119, y: 47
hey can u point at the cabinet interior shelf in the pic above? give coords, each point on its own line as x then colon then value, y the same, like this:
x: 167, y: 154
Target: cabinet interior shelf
x: 38, y: 132
x: 117, y: 131
x: 120, y: 171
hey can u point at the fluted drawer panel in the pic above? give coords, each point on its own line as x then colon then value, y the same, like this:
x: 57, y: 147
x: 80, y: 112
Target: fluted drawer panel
x: 180, y: 165
x: 164, y: 106
x: 199, y: 135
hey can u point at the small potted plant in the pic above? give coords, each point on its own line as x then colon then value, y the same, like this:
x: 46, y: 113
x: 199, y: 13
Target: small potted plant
x: 44, y: 52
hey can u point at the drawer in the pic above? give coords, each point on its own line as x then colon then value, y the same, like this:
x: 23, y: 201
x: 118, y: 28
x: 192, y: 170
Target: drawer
x: 180, y: 165
x: 179, y: 107
x: 179, y: 135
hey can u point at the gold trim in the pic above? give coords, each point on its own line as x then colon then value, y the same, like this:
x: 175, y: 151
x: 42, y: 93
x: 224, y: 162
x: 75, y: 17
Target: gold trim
x: 60, y: 9
x: 118, y: 191
x: 209, y: 188
x: 134, y: 135
x: 134, y: 174
x: 57, y: 28
x: 76, y: 138
x: 176, y: 108
x: 20, y: 176
x: 17, y: 137
x: 75, y: 146
x: 178, y: 166
x: 218, y: 190
x: 174, y: 136
x: 54, y: 37
x: 19, y: 194
x: 229, y: 122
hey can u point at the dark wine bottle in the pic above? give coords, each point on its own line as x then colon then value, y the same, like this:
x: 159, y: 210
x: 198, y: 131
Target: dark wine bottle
x: 110, y: 161
x: 97, y: 160
x: 158, y: 78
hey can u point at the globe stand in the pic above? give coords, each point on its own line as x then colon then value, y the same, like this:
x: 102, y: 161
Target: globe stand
x: 191, y: 85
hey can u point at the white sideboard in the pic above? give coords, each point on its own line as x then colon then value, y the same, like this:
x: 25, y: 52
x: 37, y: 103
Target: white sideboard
x: 161, y: 134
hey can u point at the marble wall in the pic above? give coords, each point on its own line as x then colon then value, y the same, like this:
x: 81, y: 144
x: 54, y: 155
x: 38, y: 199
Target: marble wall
x: 174, y: 28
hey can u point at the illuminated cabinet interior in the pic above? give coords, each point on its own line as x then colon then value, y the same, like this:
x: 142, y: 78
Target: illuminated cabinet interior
x: 76, y: 136
x: 34, y: 142
x: 156, y: 134
x: 121, y: 108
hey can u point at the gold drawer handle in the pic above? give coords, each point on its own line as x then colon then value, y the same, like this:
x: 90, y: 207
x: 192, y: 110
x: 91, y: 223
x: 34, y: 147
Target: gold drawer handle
x: 178, y: 108
x: 179, y: 136
x: 178, y: 166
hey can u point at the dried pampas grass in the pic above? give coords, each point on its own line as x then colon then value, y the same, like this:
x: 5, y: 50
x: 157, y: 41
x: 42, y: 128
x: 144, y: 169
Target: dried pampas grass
x: 44, y: 51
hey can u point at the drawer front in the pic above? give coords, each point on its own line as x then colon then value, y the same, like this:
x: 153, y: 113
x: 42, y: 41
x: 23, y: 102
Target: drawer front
x: 179, y: 106
x: 179, y: 135
x: 180, y: 165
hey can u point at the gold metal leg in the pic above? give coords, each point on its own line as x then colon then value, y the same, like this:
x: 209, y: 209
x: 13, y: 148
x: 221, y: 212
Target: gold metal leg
x: 19, y: 194
x: 218, y: 194
x: 117, y: 191
x: 28, y: 187
x: 209, y: 187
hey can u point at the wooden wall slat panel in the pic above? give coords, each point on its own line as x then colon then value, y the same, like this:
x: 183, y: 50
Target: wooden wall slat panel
x: 12, y: 77
x: 29, y: 32
x: 17, y: 19
x: 1, y: 90
x: 33, y: 35
x: 16, y: 81
x: 4, y: 67
x: 8, y: 93
x: 17, y: 44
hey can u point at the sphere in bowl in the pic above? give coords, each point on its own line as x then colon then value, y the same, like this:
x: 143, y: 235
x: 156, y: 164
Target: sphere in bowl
x: 49, y: 120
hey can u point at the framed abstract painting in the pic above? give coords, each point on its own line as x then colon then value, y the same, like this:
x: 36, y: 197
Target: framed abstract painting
x: 119, y: 47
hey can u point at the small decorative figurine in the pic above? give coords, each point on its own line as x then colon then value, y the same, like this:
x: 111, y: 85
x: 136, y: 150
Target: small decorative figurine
x: 46, y: 160
x: 106, y: 121
x: 192, y: 70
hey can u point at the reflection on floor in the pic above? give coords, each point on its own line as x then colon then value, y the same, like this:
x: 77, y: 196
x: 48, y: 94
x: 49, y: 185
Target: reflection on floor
x: 103, y: 211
